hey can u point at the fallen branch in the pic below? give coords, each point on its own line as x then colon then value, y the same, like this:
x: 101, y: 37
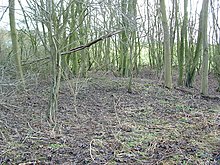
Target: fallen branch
x: 81, y: 47
x: 187, y: 91
x: 211, y: 97
x: 8, y: 106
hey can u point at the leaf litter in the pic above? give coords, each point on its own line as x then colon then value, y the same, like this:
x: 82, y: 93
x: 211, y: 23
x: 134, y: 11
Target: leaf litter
x: 98, y: 122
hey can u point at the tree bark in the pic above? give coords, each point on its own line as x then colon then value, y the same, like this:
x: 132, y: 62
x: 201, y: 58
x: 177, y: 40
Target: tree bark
x: 14, y: 40
x: 205, y: 63
x: 167, y: 52
x: 183, y: 44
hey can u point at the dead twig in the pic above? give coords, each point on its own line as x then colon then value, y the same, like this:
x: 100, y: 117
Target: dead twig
x: 210, y: 97
x: 184, y: 90
x: 8, y: 106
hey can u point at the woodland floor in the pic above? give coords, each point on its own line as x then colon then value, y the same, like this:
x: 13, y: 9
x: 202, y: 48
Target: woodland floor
x: 99, y: 122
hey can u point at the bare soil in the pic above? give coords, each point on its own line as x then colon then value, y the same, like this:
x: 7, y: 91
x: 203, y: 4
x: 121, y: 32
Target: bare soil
x: 99, y: 122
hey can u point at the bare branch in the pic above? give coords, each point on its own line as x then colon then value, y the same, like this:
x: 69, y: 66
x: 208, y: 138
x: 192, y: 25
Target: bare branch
x: 81, y: 47
x: 4, y: 12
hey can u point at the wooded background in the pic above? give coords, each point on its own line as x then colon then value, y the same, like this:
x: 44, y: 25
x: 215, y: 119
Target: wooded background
x: 169, y: 37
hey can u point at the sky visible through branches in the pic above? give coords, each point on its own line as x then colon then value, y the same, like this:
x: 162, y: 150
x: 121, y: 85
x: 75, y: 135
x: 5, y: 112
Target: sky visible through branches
x: 141, y: 3
x: 194, y: 9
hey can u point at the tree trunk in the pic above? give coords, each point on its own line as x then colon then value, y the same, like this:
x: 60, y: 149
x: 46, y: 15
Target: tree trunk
x: 54, y: 39
x: 204, y: 87
x: 167, y: 53
x: 193, y: 62
x: 123, y: 66
x: 14, y: 40
x: 216, y: 47
x: 183, y: 44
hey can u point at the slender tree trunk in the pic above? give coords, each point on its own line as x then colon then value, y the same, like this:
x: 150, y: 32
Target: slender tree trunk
x: 132, y: 42
x: 216, y: 46
x: 179, y: 60
x: 193, y: 62
x: 183, y: 44
x: 204, y: 86
x: 54, y: 39
x: 173, y: 29
x: 167, y: 52
x: 123, y: 68
x: 56, y: 72
x: 14, y: 39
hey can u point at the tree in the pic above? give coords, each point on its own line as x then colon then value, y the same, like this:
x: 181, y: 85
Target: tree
x: 204, y: 86
x: 54, y: 48
x: 123, y: 64
x: 14, y: 40
x: 183, y: 44
x: 167, y: 52
x: 216, y: 41
x: 72, y: 22
x: 132, y: 41
x: 193, y: 61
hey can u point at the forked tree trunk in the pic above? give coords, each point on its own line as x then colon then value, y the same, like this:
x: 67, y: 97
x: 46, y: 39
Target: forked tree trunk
x: 53, y: 38
x: 194, y: 61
